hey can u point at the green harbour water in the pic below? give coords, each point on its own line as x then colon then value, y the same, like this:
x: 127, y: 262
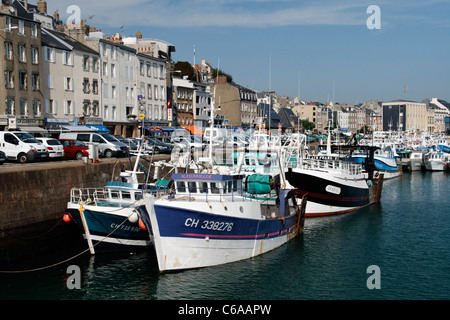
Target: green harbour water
x: 406, y: 238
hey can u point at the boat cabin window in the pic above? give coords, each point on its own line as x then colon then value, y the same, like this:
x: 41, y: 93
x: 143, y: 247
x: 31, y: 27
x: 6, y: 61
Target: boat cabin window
x: 126, y: 195
x: 204, y: 187
x: 192, y: 187
x: 214, y: 188
x: 181, y: 187
x: 137, y: 196
x: 115, y: 195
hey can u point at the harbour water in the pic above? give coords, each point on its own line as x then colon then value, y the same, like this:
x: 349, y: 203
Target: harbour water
x: 406, y: 236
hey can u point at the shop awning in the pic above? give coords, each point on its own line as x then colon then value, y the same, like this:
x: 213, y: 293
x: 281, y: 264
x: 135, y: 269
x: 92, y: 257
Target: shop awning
x: 98, y: 128
x: 32, y: 129
x: 64, y: 128
x: 193, y: 130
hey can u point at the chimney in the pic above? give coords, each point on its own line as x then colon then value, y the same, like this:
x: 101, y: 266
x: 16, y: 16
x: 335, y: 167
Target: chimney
x: 42, y: 6
x: 25, y: 4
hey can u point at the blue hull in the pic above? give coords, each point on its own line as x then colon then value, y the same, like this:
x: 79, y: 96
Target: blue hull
x: 125, y: 237
x: 179, y: 222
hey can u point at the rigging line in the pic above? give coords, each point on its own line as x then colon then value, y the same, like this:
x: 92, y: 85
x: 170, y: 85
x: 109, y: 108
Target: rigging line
x: 32, y: 238
x: 68, y: 259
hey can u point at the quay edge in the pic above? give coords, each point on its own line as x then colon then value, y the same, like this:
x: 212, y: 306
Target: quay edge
x: 33, y: 200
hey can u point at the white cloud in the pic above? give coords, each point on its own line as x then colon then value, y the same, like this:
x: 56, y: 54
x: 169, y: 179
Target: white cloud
x: 216, y: 13
x: 233, y: 13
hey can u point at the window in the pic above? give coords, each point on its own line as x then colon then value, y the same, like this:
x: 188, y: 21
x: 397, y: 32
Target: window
x: 35, y: 81
x: 156, y: 92
x: 68, y: 107
x: 50, y: 106
x: 94, y: 64
x: 161, y: 71
x: 9, y: 107
x: 141, y: 67
x: 149, y: 70
x: 67, y: 58
x: 86, y: 63
x: 95, y: 86
x: 21, y: 27
x: 23, y: 80
x: 113, y: 70
x: 155, y: 70
x: 104, y: 69
x: 181, y: 187
x: 106, y: 112
x: 49, y: 54
x: 163, y: 93
x: 86, y: 109
x: 86, y: 85
x: 192, y: 185
x: 23, y: 107
x: 95, y: 108
x: 8, y: 24
x: 9, y: 79
x: 113, y: 92
x: 68, y: 84
x: 8, y: 50
x: 22, y: 55
x: 34, y: 30
x: 34, y: 55
x: 37, y: 108
x: 149, y: 91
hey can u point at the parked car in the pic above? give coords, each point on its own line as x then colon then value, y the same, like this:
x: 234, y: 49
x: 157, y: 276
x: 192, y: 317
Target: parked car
x: 74, y: 148
x: 192, y: 142
x: 54, y: 147
x: 21, y: 146
x: 107, y: 145
x: 132, y: 145
x: 2, y: 158
x: 158, y: 146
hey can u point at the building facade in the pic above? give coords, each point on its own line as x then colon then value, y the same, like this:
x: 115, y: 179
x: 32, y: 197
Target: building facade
x: 71, y: 81
x: 403, y: 115
x: 21, y: 92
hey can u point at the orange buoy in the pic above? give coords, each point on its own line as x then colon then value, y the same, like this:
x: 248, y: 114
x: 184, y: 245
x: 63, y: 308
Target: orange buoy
x: 142, y: 225
x: 67, y: 217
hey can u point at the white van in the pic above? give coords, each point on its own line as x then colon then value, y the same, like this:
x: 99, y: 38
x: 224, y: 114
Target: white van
x: 21, y: 146
x: 107, y: 145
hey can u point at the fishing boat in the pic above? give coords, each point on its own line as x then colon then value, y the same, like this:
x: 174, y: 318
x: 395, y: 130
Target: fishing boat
x: 385, y: 162
x: 436, y: 160
x: 107, y: 216
x: 412, y: 160
x: 209, y: 220
x: 334, y: 185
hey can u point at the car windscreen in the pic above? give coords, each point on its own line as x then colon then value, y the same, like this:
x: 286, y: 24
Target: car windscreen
x: 26, y: 137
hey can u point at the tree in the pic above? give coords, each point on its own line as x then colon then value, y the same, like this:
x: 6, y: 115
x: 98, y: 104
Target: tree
x: 186, y: 70
x: 221, y: 73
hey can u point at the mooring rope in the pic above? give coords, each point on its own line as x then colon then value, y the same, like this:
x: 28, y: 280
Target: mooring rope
x: 71, y: 258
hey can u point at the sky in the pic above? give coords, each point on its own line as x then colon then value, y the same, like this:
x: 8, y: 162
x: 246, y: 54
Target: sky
x: 343, y: 51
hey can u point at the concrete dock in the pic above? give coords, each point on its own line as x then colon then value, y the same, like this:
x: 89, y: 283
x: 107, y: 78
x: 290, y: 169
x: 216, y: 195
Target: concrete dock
x: 33, y: 199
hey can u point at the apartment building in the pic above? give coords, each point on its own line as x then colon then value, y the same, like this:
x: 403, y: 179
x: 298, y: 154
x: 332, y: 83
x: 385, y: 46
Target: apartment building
x: 404, y: 115
x: 20, y: 89
x: 237, y: 104
x: 70, y: 81
x: 151, y: 86
x: 183, y: 100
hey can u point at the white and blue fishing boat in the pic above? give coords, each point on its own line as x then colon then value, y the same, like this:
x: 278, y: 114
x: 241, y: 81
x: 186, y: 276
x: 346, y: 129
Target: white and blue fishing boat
x: 385, y: 162
x: 209, y: 220
x: 107, y: 217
